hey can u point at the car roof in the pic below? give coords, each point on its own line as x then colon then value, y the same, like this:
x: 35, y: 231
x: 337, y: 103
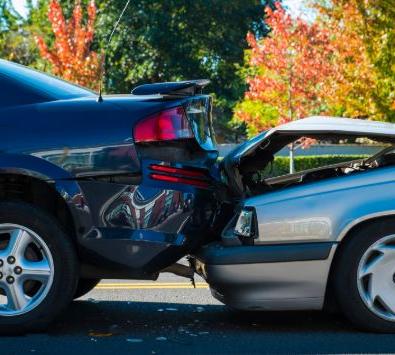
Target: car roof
x: 317, y: 124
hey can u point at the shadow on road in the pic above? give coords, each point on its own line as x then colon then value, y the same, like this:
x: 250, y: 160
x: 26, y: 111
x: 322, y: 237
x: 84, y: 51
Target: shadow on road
x: 122, y: 317
x: 105, y: 327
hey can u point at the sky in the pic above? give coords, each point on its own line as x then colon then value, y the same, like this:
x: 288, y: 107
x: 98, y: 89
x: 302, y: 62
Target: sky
x: 19, y: 6
x: 295, y: 7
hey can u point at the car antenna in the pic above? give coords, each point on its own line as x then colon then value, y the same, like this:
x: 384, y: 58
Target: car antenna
x: 104, y: 52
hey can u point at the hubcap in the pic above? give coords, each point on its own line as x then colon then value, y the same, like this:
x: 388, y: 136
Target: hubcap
x: 376, y: 278
x: 26, y: 269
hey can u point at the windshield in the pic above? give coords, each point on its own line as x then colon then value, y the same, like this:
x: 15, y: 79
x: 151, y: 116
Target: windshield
x: 43, y: 84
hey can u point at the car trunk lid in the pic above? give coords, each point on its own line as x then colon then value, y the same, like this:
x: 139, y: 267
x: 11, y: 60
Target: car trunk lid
x: 245, y: 159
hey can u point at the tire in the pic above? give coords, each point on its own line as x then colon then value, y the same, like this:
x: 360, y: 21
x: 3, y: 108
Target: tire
x: 41, y: 242
x: 84, y: 286
x: 360, y: 271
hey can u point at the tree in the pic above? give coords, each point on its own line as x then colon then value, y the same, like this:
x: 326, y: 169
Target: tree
x: 379, y: 37
x: 177, y: 40
x: 8, y: 16
x: 71, y: 56
x: 285, y: 73
x: 15, y: 42
x: 358, y: 89
x: 372, y: 25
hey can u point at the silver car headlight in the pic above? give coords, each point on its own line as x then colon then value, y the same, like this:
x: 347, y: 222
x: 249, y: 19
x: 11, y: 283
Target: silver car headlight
x: 246, y: 223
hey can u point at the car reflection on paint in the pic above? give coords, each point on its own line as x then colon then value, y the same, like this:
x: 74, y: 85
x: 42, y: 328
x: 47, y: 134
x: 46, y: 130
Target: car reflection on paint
x: 131, y: 208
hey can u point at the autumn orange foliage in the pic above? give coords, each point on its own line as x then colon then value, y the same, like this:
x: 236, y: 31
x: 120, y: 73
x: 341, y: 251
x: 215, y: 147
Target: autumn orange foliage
x: 351, y: 92
x: 286, y: 70
x: 71, y: 57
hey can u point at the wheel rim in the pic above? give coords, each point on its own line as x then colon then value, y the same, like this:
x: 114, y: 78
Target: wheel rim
x: 376, y: 278
x: 26, y: 270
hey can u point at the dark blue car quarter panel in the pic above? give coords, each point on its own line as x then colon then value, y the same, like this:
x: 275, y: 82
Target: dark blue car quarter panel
x: 153, y: 226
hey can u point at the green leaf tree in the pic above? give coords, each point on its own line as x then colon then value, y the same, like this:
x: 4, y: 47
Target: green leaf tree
x: 363, y: 36
x: 378, y: 18
x: 16, y: 32
x: 177, y: 40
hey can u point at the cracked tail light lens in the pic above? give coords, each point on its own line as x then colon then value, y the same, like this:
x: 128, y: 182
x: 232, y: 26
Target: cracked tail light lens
x: 179, y: 171
x: 167, y: 125
x: 245, y: 225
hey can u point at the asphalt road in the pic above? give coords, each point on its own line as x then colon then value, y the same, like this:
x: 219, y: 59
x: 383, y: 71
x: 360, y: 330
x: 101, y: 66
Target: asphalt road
x: 169, y: 317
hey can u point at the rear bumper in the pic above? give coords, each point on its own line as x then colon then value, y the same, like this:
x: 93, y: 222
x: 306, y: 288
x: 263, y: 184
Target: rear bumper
x: 127, y: 253
x: 138, y: 230
x: 270, y: 277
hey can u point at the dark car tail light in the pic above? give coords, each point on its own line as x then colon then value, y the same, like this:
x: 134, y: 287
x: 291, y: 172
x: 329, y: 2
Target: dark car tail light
x: 179, y: 171
x: 192, y: 177
x: 167, y: 125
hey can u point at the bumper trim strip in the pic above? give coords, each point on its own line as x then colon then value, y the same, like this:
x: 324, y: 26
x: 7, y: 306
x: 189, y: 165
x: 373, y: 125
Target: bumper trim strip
x: 217, y: 254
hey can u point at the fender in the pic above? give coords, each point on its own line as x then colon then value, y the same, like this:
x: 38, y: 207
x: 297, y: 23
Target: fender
x: 324, y: 210
x: 362, y: 219
x: 62, y: 181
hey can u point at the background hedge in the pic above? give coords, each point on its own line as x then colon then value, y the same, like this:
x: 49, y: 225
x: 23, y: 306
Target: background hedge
x: 280, y: 164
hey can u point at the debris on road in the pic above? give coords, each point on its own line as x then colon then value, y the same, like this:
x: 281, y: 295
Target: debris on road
x: 99, y: 334
x: 161, y: 338
x: 134, y: 340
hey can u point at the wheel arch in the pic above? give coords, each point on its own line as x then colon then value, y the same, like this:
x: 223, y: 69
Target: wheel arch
x: 62, y: 186
x: 43, y: 194
x: 345, y: 235
x: 361, y: 221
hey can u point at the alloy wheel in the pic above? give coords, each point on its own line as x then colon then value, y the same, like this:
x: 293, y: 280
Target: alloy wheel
x: 376, y: 278
x: 26, y: 270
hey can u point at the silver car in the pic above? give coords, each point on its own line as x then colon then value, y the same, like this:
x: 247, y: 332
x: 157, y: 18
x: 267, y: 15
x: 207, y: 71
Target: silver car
x: 301, y: 241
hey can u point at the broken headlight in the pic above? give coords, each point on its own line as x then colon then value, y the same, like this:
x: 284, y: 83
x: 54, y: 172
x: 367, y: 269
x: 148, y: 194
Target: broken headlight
x: 246, y: 223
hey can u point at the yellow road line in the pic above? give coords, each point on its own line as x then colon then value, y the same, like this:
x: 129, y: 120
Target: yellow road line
x: 148, y: 288
x: 151, y: 285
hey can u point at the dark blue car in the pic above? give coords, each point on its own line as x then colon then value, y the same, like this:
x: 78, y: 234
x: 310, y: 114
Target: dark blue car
x: 91, y: 189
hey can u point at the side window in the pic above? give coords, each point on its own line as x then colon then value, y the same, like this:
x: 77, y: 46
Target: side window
x: 12, y: 94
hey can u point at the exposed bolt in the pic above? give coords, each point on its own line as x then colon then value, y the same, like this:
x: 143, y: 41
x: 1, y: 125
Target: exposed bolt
x: 18, y: 270
x: 1, y: 262
x: 11, y: 260
x: 10, y: 279
x: 393, y: 277
x: 1, y: 275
